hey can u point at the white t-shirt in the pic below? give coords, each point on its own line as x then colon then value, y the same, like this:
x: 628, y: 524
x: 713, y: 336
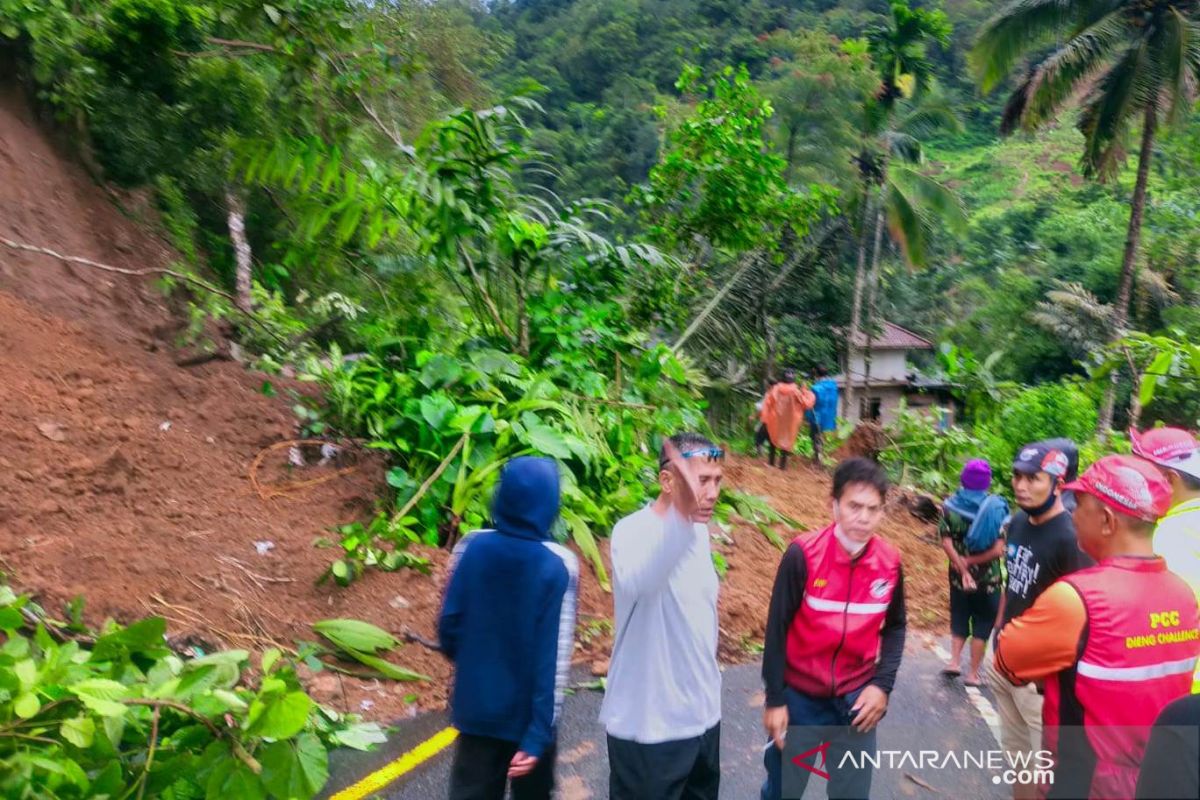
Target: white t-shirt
x: 663, y: 681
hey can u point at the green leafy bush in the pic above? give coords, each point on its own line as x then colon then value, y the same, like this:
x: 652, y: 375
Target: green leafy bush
x: 448, y: 423
x: 920, y: 454
x: 1038, y: 412
x: 118, y: 714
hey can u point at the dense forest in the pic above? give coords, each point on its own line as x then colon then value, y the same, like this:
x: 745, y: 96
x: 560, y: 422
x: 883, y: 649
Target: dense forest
x: 569, y: 227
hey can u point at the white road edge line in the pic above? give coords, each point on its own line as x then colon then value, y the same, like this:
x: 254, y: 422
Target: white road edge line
x: 984, y: 706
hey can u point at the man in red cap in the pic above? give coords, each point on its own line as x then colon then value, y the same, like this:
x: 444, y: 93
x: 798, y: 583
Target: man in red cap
x: 1114, y: 643
x: 1176, y: 453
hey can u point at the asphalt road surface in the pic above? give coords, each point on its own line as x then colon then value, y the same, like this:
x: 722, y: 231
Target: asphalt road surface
x: 927, y: 712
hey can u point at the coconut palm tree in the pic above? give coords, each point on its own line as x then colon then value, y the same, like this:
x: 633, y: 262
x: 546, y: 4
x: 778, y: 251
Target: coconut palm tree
x: 1126, y: 60
x: 905, y: 201
x: 893, y: 118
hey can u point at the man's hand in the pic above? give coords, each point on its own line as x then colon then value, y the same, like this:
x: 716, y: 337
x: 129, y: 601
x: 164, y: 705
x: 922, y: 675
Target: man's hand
x: 685, y: 489
x: 775, y: 722
x: 869, y: 709
x: 521, y: 765
x: 968, y: 583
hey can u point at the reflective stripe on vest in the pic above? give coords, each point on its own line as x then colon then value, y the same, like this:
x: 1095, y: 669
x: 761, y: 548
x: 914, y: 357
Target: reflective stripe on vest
x: 1148, y: 672
x: 1122, y: 657
x: 833, y: 640
x: 820, y: 604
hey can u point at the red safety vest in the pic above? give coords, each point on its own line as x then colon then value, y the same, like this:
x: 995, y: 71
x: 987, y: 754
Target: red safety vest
x: 833, y: 644
x: 1140, y: 647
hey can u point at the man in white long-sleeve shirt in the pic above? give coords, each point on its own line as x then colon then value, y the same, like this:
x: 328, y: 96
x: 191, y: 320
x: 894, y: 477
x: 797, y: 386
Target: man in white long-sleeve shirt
x: 662, y: 706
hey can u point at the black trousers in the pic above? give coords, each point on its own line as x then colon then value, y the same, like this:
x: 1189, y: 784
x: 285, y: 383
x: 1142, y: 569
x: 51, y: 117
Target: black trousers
x: 480, y: 771
x: 818, y: 439
x: 783, y: 456
x: 688, y: 769
x: 761, y: 436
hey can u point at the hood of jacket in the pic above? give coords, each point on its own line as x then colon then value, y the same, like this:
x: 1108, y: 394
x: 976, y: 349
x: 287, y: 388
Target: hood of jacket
x: 526, y: 502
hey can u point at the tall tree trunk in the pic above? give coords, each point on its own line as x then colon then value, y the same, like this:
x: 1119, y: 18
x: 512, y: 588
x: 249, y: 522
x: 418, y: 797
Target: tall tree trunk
x: 1129, y: 264
x: 860, y: 280
x: 790, y: 153
x: 522, y: 308
x: 241, y: 248
x: 872, y: 293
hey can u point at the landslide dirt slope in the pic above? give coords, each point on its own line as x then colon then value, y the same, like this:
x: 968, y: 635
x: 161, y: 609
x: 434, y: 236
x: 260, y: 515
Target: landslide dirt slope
x: 101, y: 497
x: 125, y: 479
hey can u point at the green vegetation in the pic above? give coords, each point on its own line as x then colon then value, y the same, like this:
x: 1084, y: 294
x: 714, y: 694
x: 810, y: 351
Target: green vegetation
x: 116, y: 714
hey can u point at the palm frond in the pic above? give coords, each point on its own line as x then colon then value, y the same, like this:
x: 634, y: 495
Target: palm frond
x: 1074, y: 316
x: 906, y: 227
x: 903, y: 146
x: 1018, y: 27
x: 934, y: 114
x: 1155, y: 287
x: 935, y: 202
x: 1060, y: 75
x: 1013, y: 115
x: 1120, y: 93
x: 1177, y: 51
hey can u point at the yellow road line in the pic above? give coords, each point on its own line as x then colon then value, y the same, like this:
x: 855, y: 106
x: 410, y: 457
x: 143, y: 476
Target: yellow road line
x: 401, y: 766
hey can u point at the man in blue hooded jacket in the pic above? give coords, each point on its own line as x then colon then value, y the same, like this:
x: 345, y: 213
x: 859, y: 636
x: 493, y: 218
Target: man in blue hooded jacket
x: 507, y: 623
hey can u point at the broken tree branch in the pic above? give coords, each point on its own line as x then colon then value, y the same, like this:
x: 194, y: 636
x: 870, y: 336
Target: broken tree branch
x: 144, y: 273
x: 437, y: 473
x: 135, y: 273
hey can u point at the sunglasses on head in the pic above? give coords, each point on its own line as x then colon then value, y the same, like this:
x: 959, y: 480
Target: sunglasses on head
x: 709, y: 454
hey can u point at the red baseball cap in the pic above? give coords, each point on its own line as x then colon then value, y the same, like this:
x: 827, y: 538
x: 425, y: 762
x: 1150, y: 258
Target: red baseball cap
x: 1172, y: 448
x: 1127, y: 485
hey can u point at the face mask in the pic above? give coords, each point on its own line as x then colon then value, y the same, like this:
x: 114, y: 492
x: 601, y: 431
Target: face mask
x: 852, y: 547
x: 1037, y: 511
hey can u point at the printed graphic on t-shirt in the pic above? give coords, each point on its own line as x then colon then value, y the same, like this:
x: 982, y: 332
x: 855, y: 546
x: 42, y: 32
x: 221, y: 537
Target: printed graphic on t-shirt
x: 1022, y: 570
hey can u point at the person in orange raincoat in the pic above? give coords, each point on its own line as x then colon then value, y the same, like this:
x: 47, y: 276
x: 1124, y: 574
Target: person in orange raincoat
x: 783, y: 412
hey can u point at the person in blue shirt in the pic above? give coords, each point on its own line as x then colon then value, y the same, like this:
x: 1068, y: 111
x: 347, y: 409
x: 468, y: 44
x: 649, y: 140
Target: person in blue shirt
x: 508, y: 623
x: 822, y: 417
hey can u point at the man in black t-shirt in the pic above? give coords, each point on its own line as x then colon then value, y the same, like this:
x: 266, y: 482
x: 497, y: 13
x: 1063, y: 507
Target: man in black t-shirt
x: 1041, y: 549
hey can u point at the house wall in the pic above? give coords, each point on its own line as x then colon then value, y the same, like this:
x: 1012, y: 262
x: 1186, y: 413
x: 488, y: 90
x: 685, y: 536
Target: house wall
x: 889, y: 398
x: 886, y: 365
x: 889, y: 402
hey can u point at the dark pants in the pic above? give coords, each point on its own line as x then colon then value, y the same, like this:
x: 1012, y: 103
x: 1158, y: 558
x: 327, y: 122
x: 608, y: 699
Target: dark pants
x: 480, y: 771
x: 761, y: 436
x: 845, y: 783
x: 688, y: 769
x: 818, y: 439
x: 973, y: 613
x: 783, y: 456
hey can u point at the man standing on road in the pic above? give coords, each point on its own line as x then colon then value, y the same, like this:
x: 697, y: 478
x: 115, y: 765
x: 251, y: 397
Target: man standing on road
x: 1114, y: 643
x: 835, y: 635
x: 1177, y: 538
x: 783, y: 410
x: 1041, y: 549
x: 822, y: 417
x: 508, y: 624
x: 662, y: 704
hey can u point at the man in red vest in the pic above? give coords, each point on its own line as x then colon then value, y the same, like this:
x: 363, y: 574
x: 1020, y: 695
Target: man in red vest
x: 835, y: 636
x: 1114, y: 643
